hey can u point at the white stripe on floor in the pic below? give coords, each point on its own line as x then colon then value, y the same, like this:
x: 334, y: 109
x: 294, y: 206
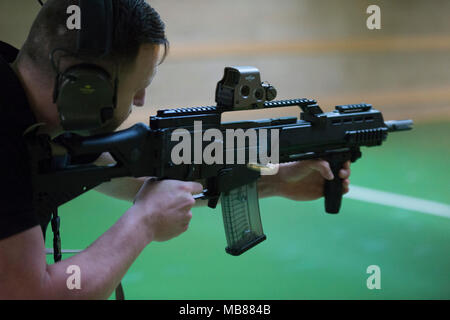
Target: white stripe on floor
x: 399, y: 201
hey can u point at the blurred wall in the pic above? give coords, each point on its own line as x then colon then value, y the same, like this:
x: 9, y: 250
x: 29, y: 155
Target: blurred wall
x: 306, y: 48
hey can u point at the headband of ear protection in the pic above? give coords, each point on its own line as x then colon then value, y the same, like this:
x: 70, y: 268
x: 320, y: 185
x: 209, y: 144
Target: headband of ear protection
x: 86, y: 94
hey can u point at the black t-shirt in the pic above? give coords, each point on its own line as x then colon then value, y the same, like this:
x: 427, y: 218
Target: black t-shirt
x: 16, y: 197
x: 17, y: 212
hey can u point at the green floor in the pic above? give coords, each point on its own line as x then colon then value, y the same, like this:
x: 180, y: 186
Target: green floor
x: 308, y: 254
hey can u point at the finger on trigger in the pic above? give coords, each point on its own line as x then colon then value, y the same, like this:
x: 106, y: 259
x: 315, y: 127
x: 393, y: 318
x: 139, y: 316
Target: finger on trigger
x: 195, y: 187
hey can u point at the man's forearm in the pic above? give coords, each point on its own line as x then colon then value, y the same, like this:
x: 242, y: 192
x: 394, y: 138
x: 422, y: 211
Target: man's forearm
x: 120, y: 188
x: 103, y: 264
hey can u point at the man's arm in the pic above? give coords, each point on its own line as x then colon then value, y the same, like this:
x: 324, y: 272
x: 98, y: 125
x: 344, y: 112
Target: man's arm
x: 25, y: 274
x: 156, y: 216
x: 301, y: 180
x: 120, y: 188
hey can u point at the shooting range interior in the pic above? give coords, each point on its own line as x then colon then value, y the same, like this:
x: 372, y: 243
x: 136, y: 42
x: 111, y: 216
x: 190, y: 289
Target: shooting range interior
x: 397, y: 214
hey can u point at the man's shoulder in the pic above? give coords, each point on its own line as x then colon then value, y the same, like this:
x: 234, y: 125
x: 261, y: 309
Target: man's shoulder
x: 14, y: 110
x: 16, y: 198
x: 14, y: 106
x: 8, y: 52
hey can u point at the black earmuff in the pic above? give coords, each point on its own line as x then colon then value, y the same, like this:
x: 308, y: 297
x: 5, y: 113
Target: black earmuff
x: 86, y: 94
x: 86, y: 98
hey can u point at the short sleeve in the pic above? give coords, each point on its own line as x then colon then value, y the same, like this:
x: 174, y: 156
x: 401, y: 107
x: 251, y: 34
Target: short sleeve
x: 16, y: 195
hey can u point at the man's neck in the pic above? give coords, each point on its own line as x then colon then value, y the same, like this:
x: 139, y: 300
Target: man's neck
x: 39, y: 92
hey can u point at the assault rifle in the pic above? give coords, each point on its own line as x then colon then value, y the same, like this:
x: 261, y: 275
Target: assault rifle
x: 142, y: 151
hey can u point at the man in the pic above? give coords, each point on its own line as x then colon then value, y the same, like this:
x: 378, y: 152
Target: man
x: 161, y: 210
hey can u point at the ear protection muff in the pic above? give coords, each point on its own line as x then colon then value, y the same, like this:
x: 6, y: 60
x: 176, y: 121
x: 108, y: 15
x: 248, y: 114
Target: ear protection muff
x: 86, y: 94
x: 86, y: 97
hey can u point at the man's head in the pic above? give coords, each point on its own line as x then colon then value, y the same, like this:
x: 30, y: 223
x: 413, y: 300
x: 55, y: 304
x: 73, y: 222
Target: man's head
x: 137, y: 39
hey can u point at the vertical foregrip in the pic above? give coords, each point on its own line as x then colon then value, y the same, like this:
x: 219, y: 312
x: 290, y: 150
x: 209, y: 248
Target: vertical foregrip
x: 333, y: 189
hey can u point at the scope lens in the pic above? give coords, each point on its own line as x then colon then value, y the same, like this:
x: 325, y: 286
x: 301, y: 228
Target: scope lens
x: 259, y: 94
x: 245, y: 91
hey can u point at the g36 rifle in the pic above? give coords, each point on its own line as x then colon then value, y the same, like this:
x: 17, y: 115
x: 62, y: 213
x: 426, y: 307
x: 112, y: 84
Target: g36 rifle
x: 143, y: 150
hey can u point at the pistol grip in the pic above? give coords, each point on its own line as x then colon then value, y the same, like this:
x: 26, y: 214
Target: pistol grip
x: 333, y: 189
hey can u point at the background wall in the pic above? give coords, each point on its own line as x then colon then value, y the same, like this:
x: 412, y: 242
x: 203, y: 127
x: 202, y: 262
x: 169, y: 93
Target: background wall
x: 306, y: 48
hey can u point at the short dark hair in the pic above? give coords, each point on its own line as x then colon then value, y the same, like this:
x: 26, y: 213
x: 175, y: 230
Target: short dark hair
x: 136, y: 23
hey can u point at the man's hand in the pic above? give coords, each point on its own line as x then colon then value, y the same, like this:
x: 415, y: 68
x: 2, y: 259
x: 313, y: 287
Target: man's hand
x: 166, y: 206
x: 302, y: 180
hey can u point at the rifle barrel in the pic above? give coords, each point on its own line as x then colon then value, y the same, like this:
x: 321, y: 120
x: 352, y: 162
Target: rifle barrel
x: 399, y: 125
